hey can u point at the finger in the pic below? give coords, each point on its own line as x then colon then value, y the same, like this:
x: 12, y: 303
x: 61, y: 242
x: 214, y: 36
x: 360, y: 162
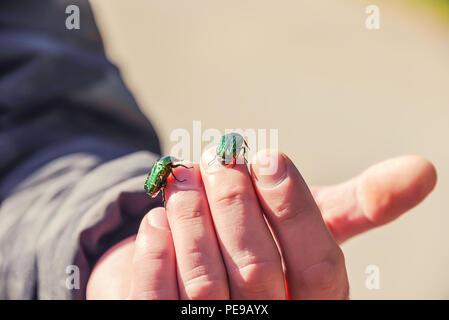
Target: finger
x: 314, y: 264
x: 201, y: 271
x: 154, y: 265
x: 104, y: 284
x: 379, y: 195
x: 248, y: 248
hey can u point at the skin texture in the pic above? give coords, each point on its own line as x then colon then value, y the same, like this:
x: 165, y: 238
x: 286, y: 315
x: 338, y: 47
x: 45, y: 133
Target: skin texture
x: 230, y: 233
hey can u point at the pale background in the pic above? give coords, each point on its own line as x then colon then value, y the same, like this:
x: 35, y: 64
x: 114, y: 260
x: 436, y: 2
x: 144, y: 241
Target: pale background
x: 343, y: 97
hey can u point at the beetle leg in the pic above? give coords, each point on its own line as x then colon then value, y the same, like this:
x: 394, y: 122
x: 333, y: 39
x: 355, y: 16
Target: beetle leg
x: 163, y: 198
x: 164, y: 185
x: 244, y: 155
x: 171, y: 171
x: 180, y: 165
x: 234, y: 162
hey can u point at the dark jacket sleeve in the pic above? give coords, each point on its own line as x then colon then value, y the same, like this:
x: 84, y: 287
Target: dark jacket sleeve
x: 66, y: 214
x: 74, y: 151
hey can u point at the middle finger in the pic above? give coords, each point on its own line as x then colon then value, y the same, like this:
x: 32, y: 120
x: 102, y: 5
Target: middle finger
x: 247, y: 246
x: 201, y: 272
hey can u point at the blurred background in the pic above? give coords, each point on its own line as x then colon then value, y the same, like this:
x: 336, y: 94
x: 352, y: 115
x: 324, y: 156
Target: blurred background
x: 342, y: 97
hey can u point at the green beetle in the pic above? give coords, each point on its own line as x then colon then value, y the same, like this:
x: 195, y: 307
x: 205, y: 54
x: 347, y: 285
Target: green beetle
x: 157, y: 178
x: 230, y: 146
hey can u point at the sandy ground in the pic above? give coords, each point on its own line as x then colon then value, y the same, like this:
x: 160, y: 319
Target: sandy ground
x: 342, y: 97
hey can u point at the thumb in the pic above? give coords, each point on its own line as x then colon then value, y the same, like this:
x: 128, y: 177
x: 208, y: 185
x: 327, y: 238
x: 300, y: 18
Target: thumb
x: 379, y: 195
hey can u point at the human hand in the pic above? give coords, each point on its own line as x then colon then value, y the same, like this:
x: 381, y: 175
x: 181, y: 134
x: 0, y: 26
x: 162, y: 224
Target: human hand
x: 213, y: 242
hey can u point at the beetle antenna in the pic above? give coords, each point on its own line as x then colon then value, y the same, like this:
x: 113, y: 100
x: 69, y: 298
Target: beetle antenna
x: 181, y: 165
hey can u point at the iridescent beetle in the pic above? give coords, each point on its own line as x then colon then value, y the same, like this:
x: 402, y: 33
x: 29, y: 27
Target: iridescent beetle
x: 157, y: 178
x: 228, y: 150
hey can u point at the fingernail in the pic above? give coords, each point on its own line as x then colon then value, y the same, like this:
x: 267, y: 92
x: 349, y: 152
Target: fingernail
x: 269, y: 168
x: 158, y: 219
x: 209, y: 163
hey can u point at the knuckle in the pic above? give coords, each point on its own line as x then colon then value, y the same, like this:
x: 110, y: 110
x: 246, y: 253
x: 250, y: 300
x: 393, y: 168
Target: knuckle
x: 186, y: 211
x: 231, y: 197
x: 257, y: 277
x: 206, y: 289
x: 202, y: 286
x: 285, y: 212
x: 189, y: 215
x: 327, y: 278
x: 290, y: 205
